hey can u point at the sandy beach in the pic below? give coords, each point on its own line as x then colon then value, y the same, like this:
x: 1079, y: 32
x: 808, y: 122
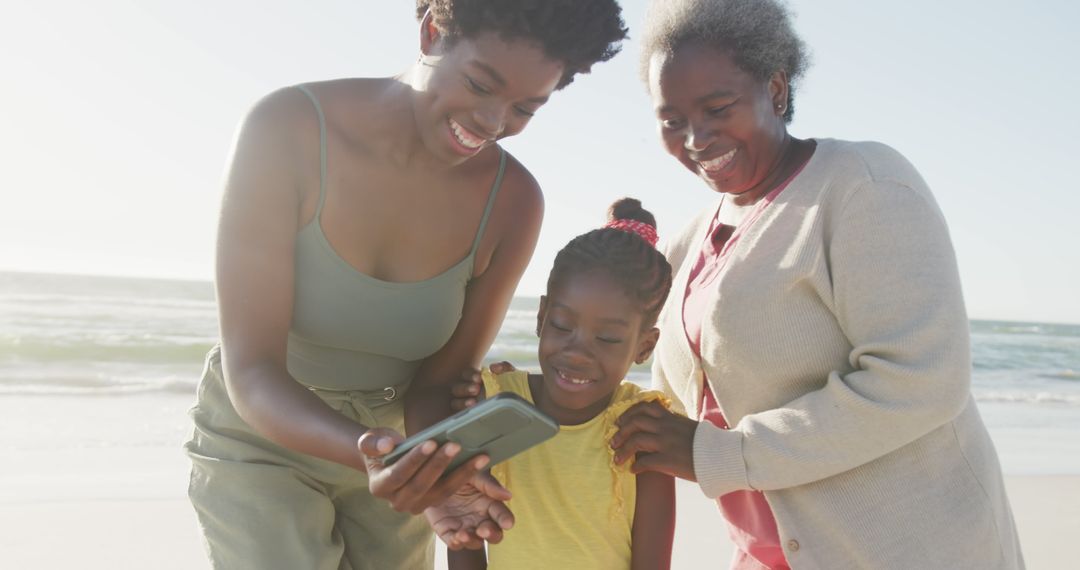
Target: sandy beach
x: 162, y: 533
x: 100, y: 503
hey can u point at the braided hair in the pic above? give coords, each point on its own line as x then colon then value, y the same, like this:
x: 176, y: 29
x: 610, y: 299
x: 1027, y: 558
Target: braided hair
x: 643, y: 272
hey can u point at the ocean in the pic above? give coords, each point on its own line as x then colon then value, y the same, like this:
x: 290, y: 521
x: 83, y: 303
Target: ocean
x: 80, y: 337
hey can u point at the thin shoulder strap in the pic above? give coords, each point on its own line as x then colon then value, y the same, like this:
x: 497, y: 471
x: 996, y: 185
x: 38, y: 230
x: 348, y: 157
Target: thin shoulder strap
x: 322, y: 148
x: 491, y: 200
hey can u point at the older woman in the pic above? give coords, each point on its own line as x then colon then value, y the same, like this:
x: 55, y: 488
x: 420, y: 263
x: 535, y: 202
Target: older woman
x: 816, y: 334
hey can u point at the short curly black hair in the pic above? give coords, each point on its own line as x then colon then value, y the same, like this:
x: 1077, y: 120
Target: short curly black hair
x: 757, y: 33
x: 578, y: 33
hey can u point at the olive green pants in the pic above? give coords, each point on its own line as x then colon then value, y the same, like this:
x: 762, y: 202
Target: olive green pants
x: 262, y: 506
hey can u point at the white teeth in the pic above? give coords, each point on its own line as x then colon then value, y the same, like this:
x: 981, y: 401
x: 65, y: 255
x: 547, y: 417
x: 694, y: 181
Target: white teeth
x: 579, y: 381
x: 718, y: 162
x: 466, y: 138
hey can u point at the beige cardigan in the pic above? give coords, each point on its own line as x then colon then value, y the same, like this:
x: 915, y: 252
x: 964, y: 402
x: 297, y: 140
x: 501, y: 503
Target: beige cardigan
x: 837, y: 346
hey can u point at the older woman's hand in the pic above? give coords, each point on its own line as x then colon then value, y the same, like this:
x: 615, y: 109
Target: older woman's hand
x: 661, y: 440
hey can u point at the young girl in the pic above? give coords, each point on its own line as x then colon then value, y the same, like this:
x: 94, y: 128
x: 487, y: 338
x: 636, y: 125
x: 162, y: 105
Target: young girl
x: 574, y: 508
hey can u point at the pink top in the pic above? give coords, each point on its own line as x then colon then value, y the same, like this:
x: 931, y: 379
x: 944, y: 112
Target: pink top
x: 751, y: 524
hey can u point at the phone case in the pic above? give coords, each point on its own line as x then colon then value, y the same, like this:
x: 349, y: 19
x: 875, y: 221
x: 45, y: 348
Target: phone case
x: 501, y: 426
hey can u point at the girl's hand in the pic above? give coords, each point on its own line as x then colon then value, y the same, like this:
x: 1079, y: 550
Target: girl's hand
x: 661, y: 440
x: 474, y: 514
x: 501, y: 367
x: 416, y: 481
x: 466, y: 392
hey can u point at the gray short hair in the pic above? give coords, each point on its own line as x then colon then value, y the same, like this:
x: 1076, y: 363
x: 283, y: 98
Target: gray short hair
x: 757, y: 33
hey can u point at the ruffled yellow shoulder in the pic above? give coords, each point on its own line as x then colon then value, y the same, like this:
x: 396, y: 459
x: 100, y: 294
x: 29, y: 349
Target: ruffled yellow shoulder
x: 515, y: 381
x: 625, y: 397
x: 491, y: 383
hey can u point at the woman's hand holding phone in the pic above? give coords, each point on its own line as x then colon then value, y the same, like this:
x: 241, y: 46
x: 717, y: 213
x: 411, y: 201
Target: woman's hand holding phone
x: 416, y: 481
x: 466, y: 508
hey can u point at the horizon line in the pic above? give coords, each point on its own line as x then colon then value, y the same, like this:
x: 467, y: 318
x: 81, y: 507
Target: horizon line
x: 210, y: 282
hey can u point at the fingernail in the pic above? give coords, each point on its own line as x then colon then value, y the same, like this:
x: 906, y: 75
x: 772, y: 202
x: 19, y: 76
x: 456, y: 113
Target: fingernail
x: 482, y: 462
x: 451, y: 449
x: 428, y: 447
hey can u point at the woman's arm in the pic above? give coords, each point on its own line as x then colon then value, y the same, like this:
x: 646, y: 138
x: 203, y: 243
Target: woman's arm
x: 260, y: 217
x: 897, y: 297
x: 274, y: 158
x: 654, y: 522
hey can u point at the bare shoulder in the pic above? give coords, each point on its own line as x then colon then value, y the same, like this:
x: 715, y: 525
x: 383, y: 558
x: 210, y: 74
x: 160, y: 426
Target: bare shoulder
x: 278, y: 141
x: 523, y: 200
x: 290, y: 114
x: 284, y: 112
x: 514, y: 225
x: 357, y: 110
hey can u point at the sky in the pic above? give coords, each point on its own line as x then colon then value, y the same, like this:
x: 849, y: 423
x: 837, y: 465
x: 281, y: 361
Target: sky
x: 116, y: 118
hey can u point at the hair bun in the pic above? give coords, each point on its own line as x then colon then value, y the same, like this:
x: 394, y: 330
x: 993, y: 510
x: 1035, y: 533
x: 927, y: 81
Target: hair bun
x: 627, y: 215
x: 630, y: 209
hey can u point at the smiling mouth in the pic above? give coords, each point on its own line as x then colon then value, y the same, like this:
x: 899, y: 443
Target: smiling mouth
x: 466, y: 137
x: 717, y: 164
x: 574, y: 380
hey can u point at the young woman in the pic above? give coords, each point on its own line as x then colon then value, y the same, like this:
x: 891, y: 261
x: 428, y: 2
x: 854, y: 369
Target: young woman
x: 372, y: 234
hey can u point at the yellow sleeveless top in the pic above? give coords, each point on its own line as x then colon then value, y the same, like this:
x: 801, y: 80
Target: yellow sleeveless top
x: 574, y: 508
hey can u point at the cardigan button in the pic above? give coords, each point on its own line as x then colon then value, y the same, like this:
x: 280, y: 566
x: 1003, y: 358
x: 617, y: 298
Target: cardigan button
x: 793, y: 545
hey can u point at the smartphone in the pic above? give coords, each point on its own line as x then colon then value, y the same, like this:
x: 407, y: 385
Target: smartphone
x: 501, y: 426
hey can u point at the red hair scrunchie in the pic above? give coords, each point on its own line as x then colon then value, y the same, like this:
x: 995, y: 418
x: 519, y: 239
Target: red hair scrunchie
x: 643, y: 230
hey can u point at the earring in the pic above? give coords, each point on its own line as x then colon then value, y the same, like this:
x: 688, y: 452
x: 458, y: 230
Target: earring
x: 780, y: 108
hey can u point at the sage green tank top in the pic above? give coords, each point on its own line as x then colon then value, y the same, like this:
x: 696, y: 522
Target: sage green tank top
x: 351, y: 331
